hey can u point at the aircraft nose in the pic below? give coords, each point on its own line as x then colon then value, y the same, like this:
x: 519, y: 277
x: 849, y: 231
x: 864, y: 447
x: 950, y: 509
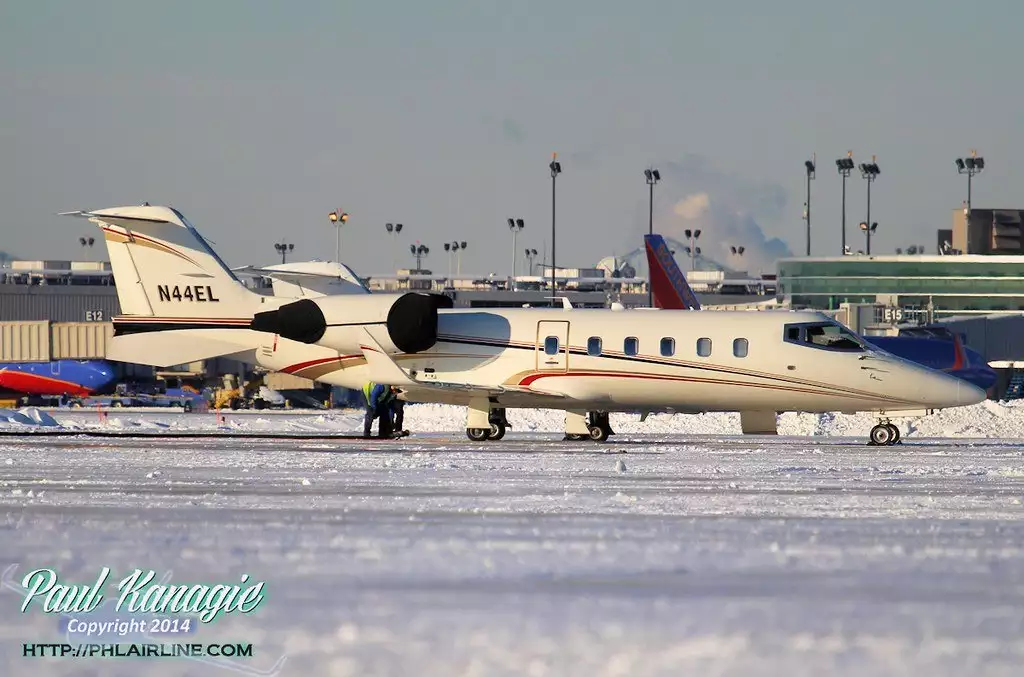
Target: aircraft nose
x: 938, y: 390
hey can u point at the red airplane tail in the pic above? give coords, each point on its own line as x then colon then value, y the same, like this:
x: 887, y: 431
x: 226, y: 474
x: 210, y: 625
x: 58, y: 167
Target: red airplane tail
x: 668, y: 283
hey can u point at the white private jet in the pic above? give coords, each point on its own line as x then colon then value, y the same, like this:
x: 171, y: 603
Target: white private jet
x: 182, y: 303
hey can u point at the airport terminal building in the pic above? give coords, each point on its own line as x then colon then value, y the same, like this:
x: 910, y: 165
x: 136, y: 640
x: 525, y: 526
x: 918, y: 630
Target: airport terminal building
x: 977, y: 269
x: 949, y: 285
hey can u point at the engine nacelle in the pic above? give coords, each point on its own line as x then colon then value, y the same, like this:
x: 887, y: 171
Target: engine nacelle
x: 340, y: 322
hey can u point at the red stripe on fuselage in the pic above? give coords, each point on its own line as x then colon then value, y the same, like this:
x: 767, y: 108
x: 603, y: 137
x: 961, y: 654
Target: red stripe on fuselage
x: 312, y: 363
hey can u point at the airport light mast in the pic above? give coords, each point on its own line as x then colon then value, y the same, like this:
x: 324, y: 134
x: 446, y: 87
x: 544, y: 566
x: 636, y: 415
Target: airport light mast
x: 845, y: 166
x: 87, y: 242
x: 394, y: 229
x: 459, y: 248
x: 652, y: 176
x: 556, y: 169
x: 338, y: 218
x: 970, y: 166
x: 692, y: 250
x: 516, y: 226
x: 419, y: 251
x: 868, y: 230
x: 530, y: 254
x: 283, y: 248
x: 809, y: 165
x: 870, y: 172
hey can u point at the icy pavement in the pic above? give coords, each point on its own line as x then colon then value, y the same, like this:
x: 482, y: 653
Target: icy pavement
x: 657, y: 554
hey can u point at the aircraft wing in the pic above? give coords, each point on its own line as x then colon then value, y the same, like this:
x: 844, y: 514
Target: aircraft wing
x: 383, y: 369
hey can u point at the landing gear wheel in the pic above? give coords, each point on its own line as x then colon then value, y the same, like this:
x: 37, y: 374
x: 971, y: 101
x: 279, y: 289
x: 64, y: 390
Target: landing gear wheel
x: 599, y: 433
x: 570, y: 437
x: 895, y: 433
x: 882, y: 435
x: 478, y: 434
x: 496, y: 432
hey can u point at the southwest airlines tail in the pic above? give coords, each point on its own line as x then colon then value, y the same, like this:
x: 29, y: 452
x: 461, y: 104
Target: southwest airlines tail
x: 668, y: 283
x: 179, y: 302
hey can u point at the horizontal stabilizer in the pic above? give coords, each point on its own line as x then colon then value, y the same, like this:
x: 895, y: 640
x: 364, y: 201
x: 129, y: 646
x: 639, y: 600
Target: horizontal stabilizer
x: 180, y: 346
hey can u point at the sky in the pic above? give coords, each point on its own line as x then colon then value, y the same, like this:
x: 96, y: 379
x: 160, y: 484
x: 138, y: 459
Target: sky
x: 256, y: 119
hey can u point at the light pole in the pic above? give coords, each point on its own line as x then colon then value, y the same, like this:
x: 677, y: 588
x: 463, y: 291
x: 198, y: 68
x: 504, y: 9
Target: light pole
x: 693, y: 251
x: 970, y: 166
x: 530, y: 254
x: 652, y: 176
x: 868, y: 231
x: 448, y: 248
x: 458, y: 256
x: 845, y: 166
x: 283, y: 248
x: 338, y: 218
x: 516, y: 226
x: 419, y: 251
x: 87, y: 242
x: 809, y: 165
x: 556, y: 169
x: 870, y: 171
x: 394, y: 229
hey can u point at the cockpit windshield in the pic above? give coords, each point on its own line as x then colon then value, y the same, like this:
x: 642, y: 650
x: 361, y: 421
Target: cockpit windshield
x: 825, y: 335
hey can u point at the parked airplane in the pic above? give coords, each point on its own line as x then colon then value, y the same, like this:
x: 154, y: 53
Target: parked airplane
x: 941, y: 350
x: 935, y: 348
x: 58, y: 377
x: 183, y: 303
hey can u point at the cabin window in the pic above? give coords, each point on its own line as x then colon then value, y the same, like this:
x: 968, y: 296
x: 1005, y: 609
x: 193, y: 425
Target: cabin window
x: 551, y: 345
x: 594, y: 346
x: 704, y: 347
x: 739, y: 347
x: 668, y: 347
x: 631, y: 346
x: 824, y: 335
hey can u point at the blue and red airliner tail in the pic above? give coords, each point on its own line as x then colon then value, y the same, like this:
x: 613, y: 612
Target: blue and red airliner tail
x: 671, y: 291
x: 59, y: 377
x: 933, y: 347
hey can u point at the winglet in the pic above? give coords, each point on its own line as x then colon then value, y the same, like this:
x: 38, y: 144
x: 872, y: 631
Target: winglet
x: 566, y: 303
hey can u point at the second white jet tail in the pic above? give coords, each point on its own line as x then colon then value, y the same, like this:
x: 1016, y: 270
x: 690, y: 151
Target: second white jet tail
x: 179, y: 301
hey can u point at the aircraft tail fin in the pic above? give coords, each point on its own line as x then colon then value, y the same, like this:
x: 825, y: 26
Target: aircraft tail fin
x: 164, y: 268
x: 668, y: 283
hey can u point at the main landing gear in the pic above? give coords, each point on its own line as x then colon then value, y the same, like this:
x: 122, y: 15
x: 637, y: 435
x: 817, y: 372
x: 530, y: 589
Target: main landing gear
x: 599, y: 429
x: 884, y: 434
x: 494, y: 432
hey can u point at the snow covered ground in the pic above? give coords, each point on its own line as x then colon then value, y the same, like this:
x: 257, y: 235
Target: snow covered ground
x: 985, y: 420
x: 680, y: 548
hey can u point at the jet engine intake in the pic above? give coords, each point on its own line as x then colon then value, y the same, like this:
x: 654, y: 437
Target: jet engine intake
x: 412, y: 321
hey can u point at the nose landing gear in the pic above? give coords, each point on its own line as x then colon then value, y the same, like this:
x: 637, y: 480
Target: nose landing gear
x: 884, y: 434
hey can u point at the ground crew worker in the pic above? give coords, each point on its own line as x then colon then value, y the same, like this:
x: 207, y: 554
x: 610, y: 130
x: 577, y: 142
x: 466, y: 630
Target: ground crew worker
x: 398, y: 409
x: 377, y: 406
